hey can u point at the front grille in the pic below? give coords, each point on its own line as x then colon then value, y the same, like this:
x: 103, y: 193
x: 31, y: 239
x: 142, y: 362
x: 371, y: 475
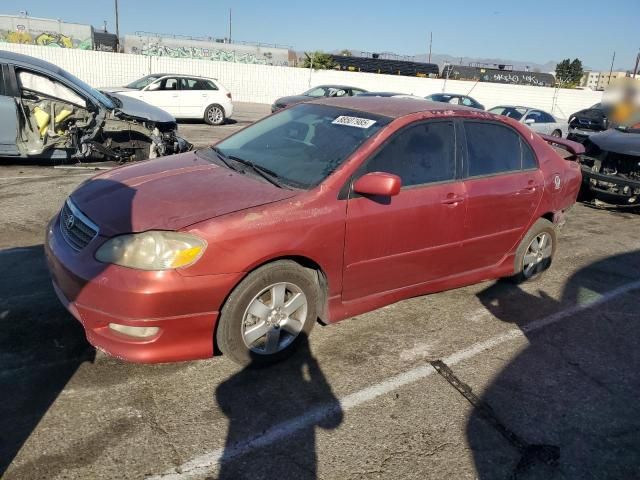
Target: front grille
x: 75, y: 227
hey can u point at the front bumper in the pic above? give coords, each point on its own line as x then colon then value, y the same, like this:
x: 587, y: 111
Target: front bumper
x: 185, y: 309
x: 611, y: 188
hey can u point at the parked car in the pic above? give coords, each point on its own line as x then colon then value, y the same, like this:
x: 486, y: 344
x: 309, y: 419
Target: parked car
x: 325, y: 210
x: 316, y: 92
x: 586, y: 122
x: 455, y: 99
x: 183, y: 96
x: 48, y: 113
x: 538, y: 120
x: 611, y: 167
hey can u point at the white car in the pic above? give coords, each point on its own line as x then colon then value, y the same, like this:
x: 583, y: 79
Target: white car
x: 183, y: 96
x: 537, y: 120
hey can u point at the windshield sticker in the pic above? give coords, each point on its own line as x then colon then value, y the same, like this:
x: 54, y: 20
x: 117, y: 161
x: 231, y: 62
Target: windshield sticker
x: 354, y: 121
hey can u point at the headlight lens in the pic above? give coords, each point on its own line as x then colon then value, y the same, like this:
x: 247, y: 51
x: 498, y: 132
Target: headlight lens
x: 154, y: 250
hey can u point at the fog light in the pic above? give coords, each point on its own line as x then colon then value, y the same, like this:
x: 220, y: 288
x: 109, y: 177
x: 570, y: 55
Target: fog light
x: 138, y: 332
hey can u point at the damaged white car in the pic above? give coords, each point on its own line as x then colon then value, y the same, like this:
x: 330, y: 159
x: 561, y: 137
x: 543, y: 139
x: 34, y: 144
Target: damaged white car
x: 48, y: 113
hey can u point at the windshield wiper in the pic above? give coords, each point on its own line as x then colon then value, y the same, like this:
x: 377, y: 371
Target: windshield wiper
x: 267, y: 174
x: 223, y: 158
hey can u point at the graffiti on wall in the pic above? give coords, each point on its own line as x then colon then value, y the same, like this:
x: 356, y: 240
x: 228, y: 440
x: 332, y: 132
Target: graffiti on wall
x: 160, y: 50
x: 46, y: 39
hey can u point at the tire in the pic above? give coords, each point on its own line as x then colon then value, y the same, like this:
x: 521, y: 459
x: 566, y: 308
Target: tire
x: 530, y: 262
x: 248, y: 331
x: 557, y: 133
x: 214, y: 115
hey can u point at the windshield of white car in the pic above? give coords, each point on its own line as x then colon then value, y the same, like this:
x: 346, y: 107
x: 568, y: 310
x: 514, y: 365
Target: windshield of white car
x: 303, y: 145
x: 143, y: 82
x: 512, y: 112
x: 325, y: 92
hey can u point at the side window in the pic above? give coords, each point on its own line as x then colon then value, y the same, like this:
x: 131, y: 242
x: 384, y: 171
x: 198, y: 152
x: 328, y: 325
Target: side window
x: 467, y: 102
x: 209, y: 85
x: 420, y: 154
x: 528, y: 158
x: 169, y: 84
x: 546, y: 118
x: 535, y: 116
x: 491, y: 149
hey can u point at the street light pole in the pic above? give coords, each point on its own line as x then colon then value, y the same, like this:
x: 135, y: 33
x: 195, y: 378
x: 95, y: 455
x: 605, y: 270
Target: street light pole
x: 117, y: 29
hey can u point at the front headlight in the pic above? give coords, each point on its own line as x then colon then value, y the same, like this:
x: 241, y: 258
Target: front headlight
x: 154, y: 250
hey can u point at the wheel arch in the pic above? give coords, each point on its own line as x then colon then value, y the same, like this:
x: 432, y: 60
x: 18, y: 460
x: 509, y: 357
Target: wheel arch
x: 303, y: 261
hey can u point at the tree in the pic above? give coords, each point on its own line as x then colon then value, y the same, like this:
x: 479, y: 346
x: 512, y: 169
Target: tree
x: 318, y: 61
x: 346, y: 53
x: 569, y: 73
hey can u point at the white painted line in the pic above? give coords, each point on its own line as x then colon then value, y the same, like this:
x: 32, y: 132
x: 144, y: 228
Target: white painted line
x: 207, y: 461
x: 23, y: 177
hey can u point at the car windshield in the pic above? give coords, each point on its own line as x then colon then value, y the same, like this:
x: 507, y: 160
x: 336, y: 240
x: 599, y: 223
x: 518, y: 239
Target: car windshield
x: 325, y: 92
x: 143, y: 82
x: 99, y: 96
x: 439, y: 97
x: 512, y: 112
x: 304, y: 144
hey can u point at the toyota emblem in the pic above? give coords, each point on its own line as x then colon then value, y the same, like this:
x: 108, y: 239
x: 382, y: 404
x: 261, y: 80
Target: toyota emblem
x: 557, y: 182
x: 70, y: 222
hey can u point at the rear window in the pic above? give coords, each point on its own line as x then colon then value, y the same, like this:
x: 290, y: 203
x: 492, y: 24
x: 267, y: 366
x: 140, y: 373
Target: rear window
x: 494, y: 149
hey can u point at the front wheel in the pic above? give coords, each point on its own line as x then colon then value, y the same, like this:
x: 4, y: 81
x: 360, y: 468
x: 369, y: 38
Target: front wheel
x: 214, y: 115
x: 536, y: 251
x: 267, y: 313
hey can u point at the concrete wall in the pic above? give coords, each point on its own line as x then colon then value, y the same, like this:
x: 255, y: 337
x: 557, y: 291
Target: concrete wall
x: 45, y: 32
x: 264, y: 83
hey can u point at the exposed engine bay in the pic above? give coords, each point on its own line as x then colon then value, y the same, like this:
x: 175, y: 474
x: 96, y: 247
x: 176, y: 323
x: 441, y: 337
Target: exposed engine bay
x: 54, y: 121
x: 611, y: 167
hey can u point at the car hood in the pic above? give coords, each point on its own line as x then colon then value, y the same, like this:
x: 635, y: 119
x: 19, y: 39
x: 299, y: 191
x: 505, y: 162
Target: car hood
x: 292, y: 100
x: 133, y: 107
x: 169, y: 193
x: 616, y: 141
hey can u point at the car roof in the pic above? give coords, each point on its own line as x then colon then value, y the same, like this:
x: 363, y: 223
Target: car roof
x: 515, y: 106
x: 11, y: 57
x: 389, y: 106
x: 336, y: 86
x: 180, y: 75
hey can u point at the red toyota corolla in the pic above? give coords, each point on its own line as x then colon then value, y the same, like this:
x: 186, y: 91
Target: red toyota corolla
x: 323, y: 211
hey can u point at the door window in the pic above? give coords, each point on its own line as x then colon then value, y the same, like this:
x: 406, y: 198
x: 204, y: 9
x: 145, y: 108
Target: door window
x: 169, y: 84
x: 196, y: 84
x: 420, y: 154
x: 467, y: 102
x: 41, y: 85
x: 492, y: 149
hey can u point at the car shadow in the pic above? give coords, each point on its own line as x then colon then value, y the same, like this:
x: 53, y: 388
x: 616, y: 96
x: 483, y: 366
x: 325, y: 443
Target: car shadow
x: 261, y: 402
x: 42, y: 344
x: 574, y: 388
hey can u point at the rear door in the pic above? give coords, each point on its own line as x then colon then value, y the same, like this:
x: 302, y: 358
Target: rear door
x: 8, y: 112
x: 415, y: 236
x: 504, y: 186
x: 195, y: 95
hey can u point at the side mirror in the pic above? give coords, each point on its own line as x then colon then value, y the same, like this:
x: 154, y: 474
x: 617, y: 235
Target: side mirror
x: 153, y: 86
x: 530, y: 121
x: 378, y: 184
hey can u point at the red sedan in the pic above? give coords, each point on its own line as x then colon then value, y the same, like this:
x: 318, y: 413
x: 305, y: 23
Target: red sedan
x: 323, y: 211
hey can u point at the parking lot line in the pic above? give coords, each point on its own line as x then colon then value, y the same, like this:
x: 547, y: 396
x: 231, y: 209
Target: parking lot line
x: 201, y: 464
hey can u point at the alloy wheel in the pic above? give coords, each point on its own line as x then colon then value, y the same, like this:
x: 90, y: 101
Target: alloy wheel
x: 538, y: 255
x: 274, y: 318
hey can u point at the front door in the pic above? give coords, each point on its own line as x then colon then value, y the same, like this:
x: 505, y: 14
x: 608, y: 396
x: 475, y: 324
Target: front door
x: 504, y: 187
x: 413, y: 237
x: 166, y: 96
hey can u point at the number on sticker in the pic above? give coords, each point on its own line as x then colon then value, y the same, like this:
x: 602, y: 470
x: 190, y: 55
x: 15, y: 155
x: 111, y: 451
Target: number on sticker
x: 354, y: 121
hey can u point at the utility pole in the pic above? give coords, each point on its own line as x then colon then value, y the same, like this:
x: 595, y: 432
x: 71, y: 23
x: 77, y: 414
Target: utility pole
x: 229, y: 25
x: 117, y: 29
x: 611, y: 69
x: 430, y: 44
x: 635, y: 69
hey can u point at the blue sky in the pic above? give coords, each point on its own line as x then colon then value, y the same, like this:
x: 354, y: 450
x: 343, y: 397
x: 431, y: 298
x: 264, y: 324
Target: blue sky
x: 534, y: 30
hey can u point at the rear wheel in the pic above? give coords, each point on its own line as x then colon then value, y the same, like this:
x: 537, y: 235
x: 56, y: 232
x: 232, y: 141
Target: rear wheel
x: 267, y: 313
x: 214, y: 115
x: 536, y: 251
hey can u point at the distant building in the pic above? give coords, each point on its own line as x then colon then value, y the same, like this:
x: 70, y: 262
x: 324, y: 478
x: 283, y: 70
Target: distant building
x: 45, y: 32
x: 607, y: 78
x: 590, y: 80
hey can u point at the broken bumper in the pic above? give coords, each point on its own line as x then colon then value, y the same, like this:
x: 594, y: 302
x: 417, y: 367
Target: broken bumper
x: 611, y: 188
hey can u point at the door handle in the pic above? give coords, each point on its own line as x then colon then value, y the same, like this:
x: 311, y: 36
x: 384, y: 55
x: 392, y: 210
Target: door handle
x: 452, y: 199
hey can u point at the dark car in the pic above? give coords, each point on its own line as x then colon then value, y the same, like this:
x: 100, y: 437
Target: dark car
x: 325, y: 210
x: 586, y: 122
x: 611, y: 167
x: 455, y: 99
x: 48, y: 113
x: 316, y: 92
